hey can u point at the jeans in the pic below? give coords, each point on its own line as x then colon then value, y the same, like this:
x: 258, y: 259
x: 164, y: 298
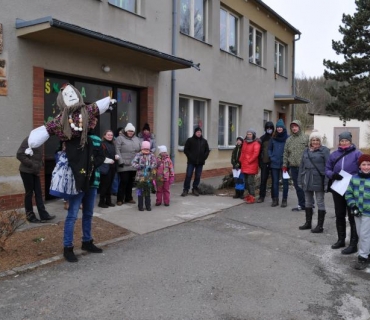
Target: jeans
x: 31, y: 183
x: 189, y: 173
x: 300, y: 193
x: 265, y: 172
x: 88, y: 201
x: 275, y: 174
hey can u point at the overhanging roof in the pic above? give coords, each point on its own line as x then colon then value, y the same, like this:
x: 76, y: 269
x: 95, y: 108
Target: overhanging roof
x: 59, y: 33
x: 290, y: 99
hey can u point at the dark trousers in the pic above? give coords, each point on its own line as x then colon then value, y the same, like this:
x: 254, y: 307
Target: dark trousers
x: 265, y: 172
x: 300, y: 193
x: 105, y: 186
x: 341, y: 209
x: 198, y: 168
x: 125, y: 186
x: 32, y: 186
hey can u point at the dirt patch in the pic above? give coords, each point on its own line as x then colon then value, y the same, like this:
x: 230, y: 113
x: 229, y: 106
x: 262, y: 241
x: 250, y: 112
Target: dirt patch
x: 46, y: 241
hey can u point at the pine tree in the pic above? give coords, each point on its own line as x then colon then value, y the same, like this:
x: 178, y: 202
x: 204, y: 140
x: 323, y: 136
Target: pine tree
x: 353, y: 92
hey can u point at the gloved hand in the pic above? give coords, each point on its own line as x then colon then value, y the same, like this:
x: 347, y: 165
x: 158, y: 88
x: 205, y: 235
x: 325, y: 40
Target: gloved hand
x: 285, y: 169
x: 336, y: 176
x: 355, y: 211
x: 121, y: 165
x: 112, y: 104
x: 108, y: 160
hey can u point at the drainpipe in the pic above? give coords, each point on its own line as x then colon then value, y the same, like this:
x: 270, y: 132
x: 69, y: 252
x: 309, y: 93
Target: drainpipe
x: 293, y: 75
x: 173, y: 82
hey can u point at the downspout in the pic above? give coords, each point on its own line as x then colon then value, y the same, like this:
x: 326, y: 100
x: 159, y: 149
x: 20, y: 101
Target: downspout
x: 293, y: 74
x: 173, y: 82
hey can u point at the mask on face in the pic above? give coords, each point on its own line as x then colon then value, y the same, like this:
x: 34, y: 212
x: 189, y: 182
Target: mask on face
x: 269, y: 131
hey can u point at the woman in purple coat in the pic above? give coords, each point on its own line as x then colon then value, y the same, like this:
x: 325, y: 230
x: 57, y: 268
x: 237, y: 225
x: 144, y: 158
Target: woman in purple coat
x: 345, y: 158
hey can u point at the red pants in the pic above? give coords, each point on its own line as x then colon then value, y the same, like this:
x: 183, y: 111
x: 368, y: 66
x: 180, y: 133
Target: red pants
x: 163, y: 192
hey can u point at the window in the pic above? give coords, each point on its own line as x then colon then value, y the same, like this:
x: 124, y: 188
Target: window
x: 193, y: 18
x: 255, y: 45
x: 266, y: 117
x: 228, y: 125
x: 192, y: 114
x: 279, y: 58
x: 129, y: 5
x: 228, y: 32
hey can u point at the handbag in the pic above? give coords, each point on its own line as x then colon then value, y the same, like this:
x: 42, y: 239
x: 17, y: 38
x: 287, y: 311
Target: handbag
x: 104, y: 168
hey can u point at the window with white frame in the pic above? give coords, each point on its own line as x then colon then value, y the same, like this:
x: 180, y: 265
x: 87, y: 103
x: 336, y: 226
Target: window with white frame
x: 129, y: 5
x: 228, y: 128
x: 266, y: 117
x: 229, y: 30
x: 279, y: 58
x: 193, y: 18
x: 192, y: 114
x: 255, y: 45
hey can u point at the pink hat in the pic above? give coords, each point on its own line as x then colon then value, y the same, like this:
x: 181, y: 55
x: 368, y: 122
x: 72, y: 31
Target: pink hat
x: 145, y: 145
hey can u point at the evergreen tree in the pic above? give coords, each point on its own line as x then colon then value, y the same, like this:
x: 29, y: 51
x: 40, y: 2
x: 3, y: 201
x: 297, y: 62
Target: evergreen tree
x: 352, y: 92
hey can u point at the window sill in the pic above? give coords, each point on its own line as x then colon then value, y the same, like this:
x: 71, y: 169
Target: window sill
x: 232, y: 54
x: 278, y: 75
x: 128, y: 11
x: 257, y: 65
x: 226, y: 147
x: 201, y: 41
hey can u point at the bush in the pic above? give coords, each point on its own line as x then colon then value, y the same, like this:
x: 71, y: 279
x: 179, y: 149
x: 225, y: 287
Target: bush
x: 10, y: 221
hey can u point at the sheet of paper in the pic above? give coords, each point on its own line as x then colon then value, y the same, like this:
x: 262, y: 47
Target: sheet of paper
x: 286, y: 175
x: 236, y: 173
x: 340, y: 186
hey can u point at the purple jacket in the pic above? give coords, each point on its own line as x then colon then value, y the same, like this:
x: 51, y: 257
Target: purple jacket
x: 348, y: 163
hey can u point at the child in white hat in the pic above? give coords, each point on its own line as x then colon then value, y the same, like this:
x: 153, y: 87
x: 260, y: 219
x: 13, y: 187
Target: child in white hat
x: 165, y: 176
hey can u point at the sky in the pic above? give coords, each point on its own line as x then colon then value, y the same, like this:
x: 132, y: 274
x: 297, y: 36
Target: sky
x: 318, y: 21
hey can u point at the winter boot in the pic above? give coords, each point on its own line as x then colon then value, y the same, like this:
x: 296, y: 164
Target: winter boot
x: 275, y: 202
x: 251, y: 200
x: 148, y: 204
x: 341, y: 230
x: 237, y: 194
x: 90, y: 247
x: 261, y: 199
x: 108, y: 201
x: 69, y: 254
x: 31, y: 217
x: 284, y: 203
x: 362, y: 263
x: 307, y: 225
x: 101, y: 203
x: 140, y: 202
x: 320, y: 222
x: 352, y: 248
x: 241, y: 194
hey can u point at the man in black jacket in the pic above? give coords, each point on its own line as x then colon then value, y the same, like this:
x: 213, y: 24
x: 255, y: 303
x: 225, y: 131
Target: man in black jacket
x: 197, y: 151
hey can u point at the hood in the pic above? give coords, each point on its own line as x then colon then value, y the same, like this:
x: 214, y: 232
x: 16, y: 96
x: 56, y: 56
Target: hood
x: 269, y: 124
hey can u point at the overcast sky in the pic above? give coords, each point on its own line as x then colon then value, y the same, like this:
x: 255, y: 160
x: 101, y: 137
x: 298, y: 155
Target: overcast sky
x: 318, y: 21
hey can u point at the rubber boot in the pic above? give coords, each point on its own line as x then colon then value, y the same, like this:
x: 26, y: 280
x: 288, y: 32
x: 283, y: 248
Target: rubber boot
x: 341, y: 230
x: 69, y: 255
x: 275, y: 202
x: 148, y: 204
x: 307, y: 225
x: 320, y: 222
x: 352, y: 248
x: 140, y: 201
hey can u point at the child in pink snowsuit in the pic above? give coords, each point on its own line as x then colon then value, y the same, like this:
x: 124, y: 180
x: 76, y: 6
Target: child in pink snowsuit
x: 165, y: 177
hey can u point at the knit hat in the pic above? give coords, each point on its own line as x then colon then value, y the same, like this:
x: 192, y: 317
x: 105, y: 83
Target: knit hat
x: 198, y: 129
x: 146, y: 127
x: 280, y: 124
x: 315, y: 134
x: 129, y: 127
x: 363, y: 157
x: 240, y: 138
x: 145, y: 145
x: 346, y: 135
x: 252, y: 131
x: 162, y: 149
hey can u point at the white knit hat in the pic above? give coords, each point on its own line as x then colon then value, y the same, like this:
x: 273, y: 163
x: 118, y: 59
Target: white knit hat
x: 129, y: 127
x: 162, y: 149
x: 317, y: 135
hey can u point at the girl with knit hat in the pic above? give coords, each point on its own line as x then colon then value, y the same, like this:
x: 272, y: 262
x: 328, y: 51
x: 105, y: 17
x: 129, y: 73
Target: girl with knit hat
x: 145, y: 163
x: 357, y: 199
x: 312, y: 180
x: 275, y: 152
x: 239, y: 181
x: 165, y: 177
x: 344, y: 158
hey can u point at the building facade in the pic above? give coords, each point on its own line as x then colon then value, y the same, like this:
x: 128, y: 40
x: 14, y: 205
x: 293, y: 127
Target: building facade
x: 225, y: 66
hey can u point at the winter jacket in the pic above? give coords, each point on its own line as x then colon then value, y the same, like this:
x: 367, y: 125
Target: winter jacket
x: 235, y: 156
x: 30, y: 164
x: 145, y: 164
x: 276, y: 149
x: 196, y: 150
x: 294, y: 147
x: 265, y: 139
x: 309, y: 178
x: 348, y: 163
x: 153, y: 145
x: 126, y: 148
x: 109, y: 148
x: 358, y: 191
x: 249, y: 156
x: 165, y: 170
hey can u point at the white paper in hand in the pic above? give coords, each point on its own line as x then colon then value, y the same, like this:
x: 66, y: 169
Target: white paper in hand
x: 286, y: 175
x: 340, y: 186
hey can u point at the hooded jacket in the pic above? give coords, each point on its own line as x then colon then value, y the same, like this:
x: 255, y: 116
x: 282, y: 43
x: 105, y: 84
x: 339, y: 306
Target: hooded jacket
x: 196, y: 149
x: 265, y: 139
x: 294, y: 147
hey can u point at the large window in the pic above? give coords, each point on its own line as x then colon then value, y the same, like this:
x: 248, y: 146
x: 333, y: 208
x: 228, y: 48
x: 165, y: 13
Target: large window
x: 193, y: 18
x: 192, y: 114
x: 229, y: 25
x: 228, y: 128
x: 279, y: 58
x: 255, y: 45
x: 266, y: 117
x: 129, y: 5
